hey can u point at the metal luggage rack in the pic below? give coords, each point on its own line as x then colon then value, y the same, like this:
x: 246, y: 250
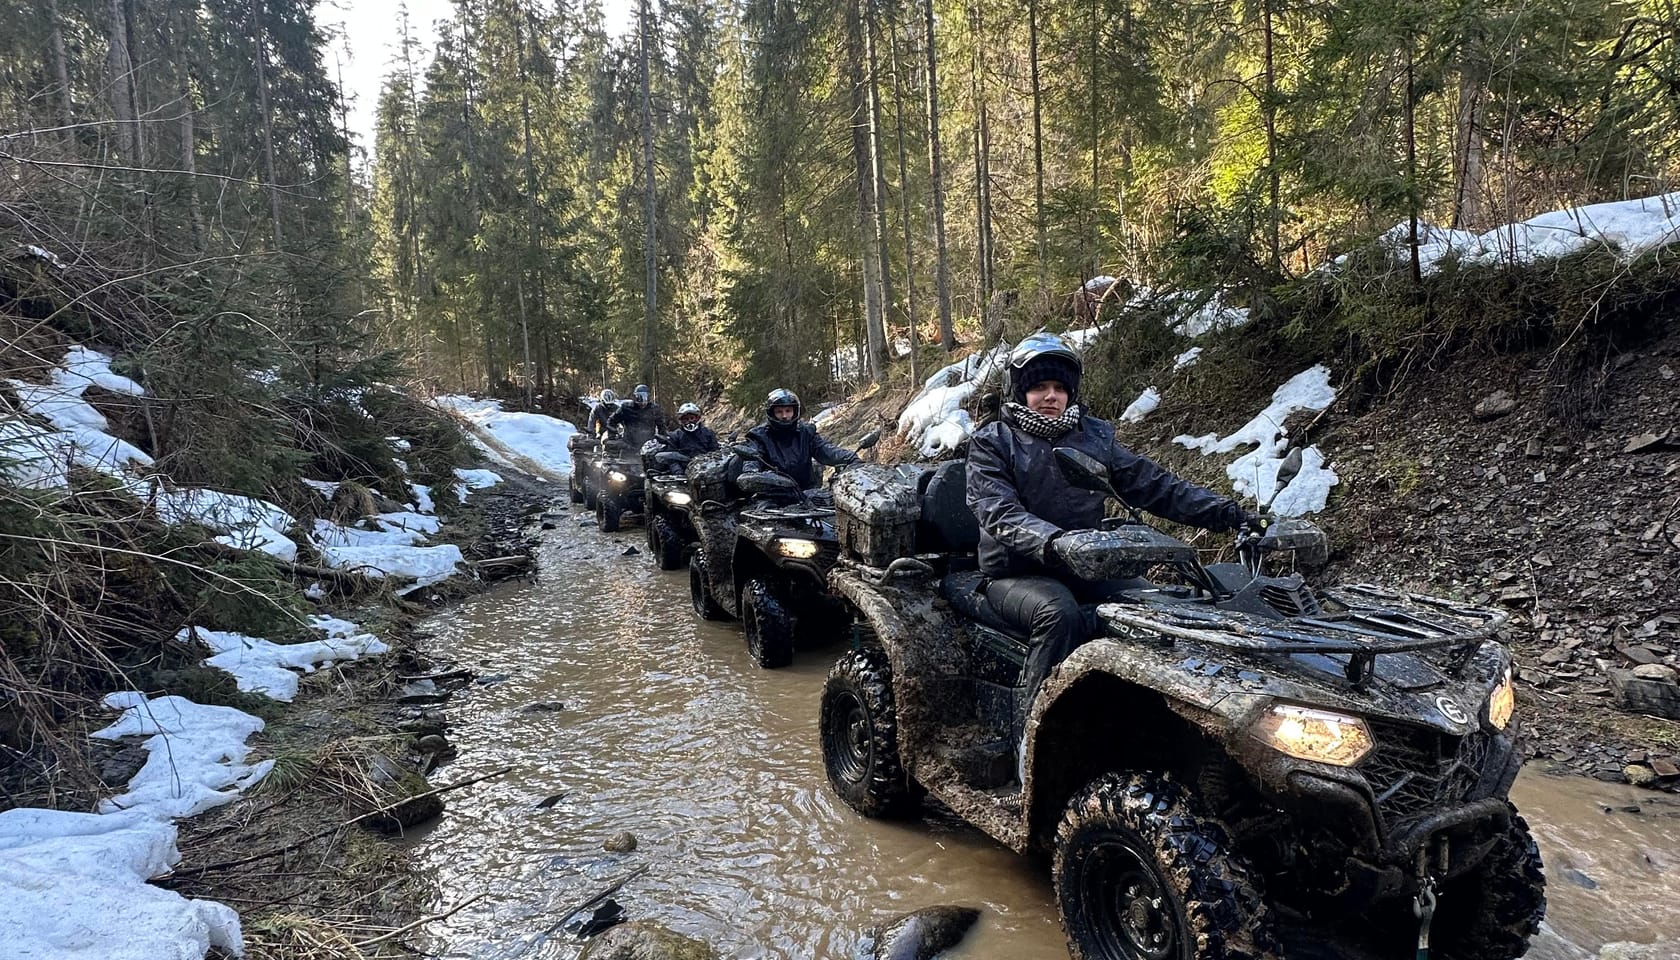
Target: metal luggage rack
x: 1361, y: 621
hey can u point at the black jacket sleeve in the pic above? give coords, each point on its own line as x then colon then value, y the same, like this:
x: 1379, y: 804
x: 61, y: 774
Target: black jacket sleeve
x: 1142, y: 483
x: 996, y: 503
x: 829, y: 454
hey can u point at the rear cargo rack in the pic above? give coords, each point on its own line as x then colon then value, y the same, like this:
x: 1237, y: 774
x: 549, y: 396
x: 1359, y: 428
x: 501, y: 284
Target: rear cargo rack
x: 1363, y: 621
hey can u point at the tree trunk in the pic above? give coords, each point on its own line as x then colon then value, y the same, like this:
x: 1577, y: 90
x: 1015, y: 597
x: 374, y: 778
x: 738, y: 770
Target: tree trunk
x: 936, y: 173
x: 904, y: 208
x: 874, y: 326
x: 257, y: 37
x: 649, y: 198
x: 982, y: 166
x: 1269, y: 109
x: 878, y: 344
x: 1038, y: 148
x: 187, y: 131
x: 533, y: 237
x: 474, y: 193
x: 122, y: 81
x: 1468, y: 146
x: 1411, y: 162
x: 61, y: 69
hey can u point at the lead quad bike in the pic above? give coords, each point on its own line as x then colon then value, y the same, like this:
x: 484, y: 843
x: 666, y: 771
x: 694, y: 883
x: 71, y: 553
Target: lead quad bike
x: 764, y: 557
x: 616, y: 480
x: 667, y: 499
x: 1237, y: 763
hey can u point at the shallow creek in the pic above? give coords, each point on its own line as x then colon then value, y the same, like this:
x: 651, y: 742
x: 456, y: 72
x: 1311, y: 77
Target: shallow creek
x: 671, y: 733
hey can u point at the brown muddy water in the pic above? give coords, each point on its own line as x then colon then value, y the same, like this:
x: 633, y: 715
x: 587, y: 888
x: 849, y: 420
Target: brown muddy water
x: 671, y: 733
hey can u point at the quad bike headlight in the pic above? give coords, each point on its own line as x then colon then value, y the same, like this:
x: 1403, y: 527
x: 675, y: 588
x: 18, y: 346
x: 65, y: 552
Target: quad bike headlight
x: 796, y: 548
x: 1503, y: 703
x: 678, y: 498
x: 617, y: 476
x: 1320, y: 735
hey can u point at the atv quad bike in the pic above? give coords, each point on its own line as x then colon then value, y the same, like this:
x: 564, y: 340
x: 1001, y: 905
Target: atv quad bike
x: 1234, y: 758
x: 617, y: 483
x: 764, y: 557
x: 581, y: 484
x: 669, y: 529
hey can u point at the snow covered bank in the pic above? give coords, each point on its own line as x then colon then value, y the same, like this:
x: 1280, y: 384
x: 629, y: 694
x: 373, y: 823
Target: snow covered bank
x: 536, y: 437
x: 261, y: 666
x: 196, y: 755
x: 1254, y: 474
x: 40, y: 457
x: 1629, y: 227
x: 934, y: 420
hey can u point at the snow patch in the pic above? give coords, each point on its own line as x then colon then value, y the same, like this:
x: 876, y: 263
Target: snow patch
x: 534, y: 436
x: 42, y: 459
x: 934, y: 419
x: 326, y: 488
x: 1211, y: 314
x: 473, y: 480
x: 1254, y: 474
x: 42, y: 253
x: 75, y: 888
x: 1187, y: 359
x: 195, y: 754
x: 1143, y: 406
x: 261, y: 666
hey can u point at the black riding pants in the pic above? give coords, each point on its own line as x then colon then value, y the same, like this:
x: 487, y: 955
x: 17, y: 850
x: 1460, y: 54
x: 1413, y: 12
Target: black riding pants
x: 1048, y: 610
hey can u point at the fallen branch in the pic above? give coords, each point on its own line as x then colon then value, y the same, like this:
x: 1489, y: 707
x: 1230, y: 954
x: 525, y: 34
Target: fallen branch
x: 420, y: 922
x: 276, y: 851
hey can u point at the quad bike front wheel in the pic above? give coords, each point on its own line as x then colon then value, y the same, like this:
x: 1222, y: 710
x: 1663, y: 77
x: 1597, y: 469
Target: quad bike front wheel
x: 859, y: 726
x: 700, y: 592
x: 1142, y: 874
x: 768, y: 625
x: 607, y: 512
x: 1491, y: 912
x: 666, y: 543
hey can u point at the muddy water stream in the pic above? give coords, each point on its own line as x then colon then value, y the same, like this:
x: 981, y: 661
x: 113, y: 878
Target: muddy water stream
x: 671, y: 733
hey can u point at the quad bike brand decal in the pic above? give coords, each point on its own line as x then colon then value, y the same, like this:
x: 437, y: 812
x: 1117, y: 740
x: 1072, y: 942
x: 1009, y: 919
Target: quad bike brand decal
x: 1451, y: 710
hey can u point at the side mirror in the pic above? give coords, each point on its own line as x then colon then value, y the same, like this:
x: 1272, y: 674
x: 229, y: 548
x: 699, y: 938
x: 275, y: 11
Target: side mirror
x: 1288, y: 470
x: 1083, y: 471
x: 869, y: 440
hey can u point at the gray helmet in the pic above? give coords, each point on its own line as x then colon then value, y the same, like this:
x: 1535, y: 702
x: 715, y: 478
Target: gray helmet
x: 1040, y: 357
x: 642, y: 394
x: 689, y: 410
x: 607, y: 396
x: 781, y: 397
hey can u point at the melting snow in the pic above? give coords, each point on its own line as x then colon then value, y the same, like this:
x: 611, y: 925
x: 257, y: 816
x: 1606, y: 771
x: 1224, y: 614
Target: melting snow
x: 261, y: 666
x: 473, y: 480
x: 934, y: 419
x: 1143, y: 406
x: 1187, y: 359
x: 1255, y: 473
x: 536, y: 437
x: 195, y: 754
x: 41, y: 458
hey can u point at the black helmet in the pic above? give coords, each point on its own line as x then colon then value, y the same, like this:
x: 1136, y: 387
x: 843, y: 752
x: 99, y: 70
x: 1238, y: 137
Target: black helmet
x: 641, y: 394
x: 686, y: 411
x: 781, y: 397
x: 1040, y: 357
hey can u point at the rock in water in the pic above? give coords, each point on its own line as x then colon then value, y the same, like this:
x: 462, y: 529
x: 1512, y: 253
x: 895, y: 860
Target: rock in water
x: 922, y: 934
x: 620, y: 843
x: 639, y: 940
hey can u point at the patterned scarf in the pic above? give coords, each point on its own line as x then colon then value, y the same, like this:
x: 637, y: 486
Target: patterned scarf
x: 1023, y: 418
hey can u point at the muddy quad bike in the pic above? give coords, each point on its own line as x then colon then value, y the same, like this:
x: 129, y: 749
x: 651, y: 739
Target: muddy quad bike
x: 766, y: 560
x: 1236, y: 758
x: 617, y: 480
x: 584, y: 450
x: 669, y: 529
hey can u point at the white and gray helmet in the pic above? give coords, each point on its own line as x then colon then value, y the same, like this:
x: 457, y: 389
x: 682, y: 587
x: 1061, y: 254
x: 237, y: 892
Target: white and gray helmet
x: 689, y: 410
x: 607, y: 396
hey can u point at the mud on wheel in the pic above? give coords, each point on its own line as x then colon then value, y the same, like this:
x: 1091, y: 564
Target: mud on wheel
x: 665, y: 543
x: 700, y: 592
x: 1142, y: 874
x: 768, y: 625
x: 859, y: 727
x: 607, y: 512
x: 1491, y: 912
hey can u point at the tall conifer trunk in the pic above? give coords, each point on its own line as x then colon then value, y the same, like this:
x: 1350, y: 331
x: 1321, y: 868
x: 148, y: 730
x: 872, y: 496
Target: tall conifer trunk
x: 936, y: 172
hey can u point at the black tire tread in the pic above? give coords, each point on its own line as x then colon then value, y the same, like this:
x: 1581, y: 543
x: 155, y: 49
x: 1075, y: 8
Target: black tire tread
x: 887, y: 791
x: 700, y: 592
x: 607, y: 513
x: 1226, y: 916
x: 769, y: 626
x: 666, y: 543
x: 1508, y: 891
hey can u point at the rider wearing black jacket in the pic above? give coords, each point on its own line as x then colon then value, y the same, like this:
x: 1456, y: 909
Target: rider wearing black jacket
x: 692, y: 438
x: 639, y: 418
x: 1023, y: 503
x: 789, y: 445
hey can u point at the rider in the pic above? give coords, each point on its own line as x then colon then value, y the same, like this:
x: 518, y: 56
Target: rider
x: 1023, y: 503
x: 694, y: 437
x: 789, y: 445
x: 597, y: 424
x: 640, y: 419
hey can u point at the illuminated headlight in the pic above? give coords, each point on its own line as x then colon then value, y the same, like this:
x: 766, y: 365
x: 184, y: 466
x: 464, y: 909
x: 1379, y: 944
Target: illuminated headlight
x: 617, y: 477
x: 797, y: 549
x: 678, y: 498
x: 1333, y: 738
x: 1503, y: 703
